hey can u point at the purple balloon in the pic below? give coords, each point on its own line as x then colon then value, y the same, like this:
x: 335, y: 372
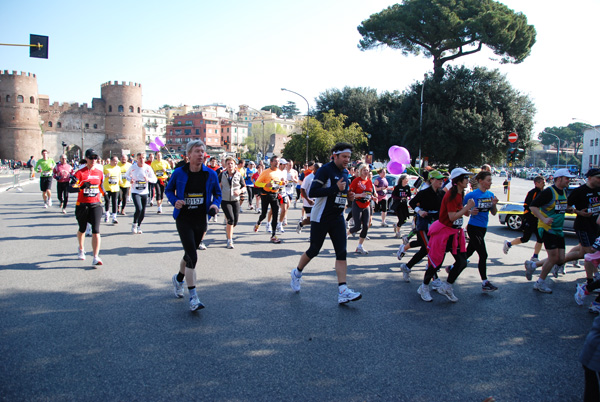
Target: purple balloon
x: 158, y: 142
x: 395, y: 167
x: 392, y: 151
x: 154, y: 147
x: 401, y: 155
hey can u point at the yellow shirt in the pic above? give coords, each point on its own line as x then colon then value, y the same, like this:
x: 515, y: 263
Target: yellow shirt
x: 160, y: 169
x: 124, y: 168
x: 112, y: 178
x: 275, y: 177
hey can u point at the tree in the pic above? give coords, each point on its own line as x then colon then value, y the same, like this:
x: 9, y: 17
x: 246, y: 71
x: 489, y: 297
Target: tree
x: 467, y: 117
x: 274, y: 109
x: 259, y: 138
x: 290, y: 110
x: 448, y: 29
x: 570, y: 136
x: 322, y: 136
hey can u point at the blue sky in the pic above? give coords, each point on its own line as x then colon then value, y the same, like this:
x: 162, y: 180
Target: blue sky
x: 240, y: 52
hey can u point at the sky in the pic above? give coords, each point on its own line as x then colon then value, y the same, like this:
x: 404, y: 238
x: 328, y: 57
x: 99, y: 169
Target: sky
x: 235, y: 52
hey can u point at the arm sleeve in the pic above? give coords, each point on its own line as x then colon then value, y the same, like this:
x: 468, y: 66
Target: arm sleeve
x: 544, y: 198
x: 317, y: 189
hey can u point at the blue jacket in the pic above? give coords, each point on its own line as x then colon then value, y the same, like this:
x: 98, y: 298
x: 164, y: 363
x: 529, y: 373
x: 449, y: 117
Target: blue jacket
x: 178, y: 180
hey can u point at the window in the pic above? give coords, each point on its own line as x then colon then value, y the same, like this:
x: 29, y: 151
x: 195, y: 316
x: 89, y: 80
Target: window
x: 591, y: 143
x: 109, y: 108
x: 596, y: 141
x: 591, y: 159
x: 87, y: 125
x: 31, y: 99
x: 228, y: 129
x: 50, y: 125
x: 595, y: 159
x: 216, y: 131
x: 8, y: 98
x: 20, y: 99
x: 189, y: 123
x: 120, y: 109
x: 138, y: 109
x: 130, y: 109
x: 177, y: 132
x: 59, y: 124
x: 187, y: 131
x: 197, y: 131
x: 179, y: 123
x: 95, y: 126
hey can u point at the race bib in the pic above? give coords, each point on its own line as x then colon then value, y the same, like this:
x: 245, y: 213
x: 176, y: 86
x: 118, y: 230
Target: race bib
x: 112, y: 180
x: 140, y: 185
x: 160, y: 173
x: 594, y: 205
x: 123, y: 177
x: 560, y: 207
x: 458, y: 223
x: 484, y: 204
x: 194, y: 200
x: 46, y: 174
x: 91, y: 191
x: 340, y: 200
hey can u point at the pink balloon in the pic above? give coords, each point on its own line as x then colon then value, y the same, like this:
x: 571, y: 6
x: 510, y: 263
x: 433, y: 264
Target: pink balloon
x: 401, y: 155
x: 392, y: 151
x: 154, y: 147
x: 395, y: 167
x: 158, y: 142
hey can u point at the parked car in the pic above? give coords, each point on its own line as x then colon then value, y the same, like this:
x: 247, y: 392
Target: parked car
x: 503, y: 173
x: 511, y: 215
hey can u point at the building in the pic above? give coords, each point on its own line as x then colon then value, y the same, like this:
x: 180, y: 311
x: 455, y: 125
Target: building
x: 591, y: 149
x: 155, y: 125
x: 30, y: 123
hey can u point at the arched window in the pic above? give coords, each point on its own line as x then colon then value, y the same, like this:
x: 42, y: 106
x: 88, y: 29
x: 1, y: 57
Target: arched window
x: 130, y: 109
x: 109, y: 108
x: 31, y: 99
x: 87, y: 125
x: 95, y: 126
x: 59, y: 124
x: 49, y: 124
x: 138, y: 110
x: 120, y: 109
x: 20, y: 99
x: 8, y: 98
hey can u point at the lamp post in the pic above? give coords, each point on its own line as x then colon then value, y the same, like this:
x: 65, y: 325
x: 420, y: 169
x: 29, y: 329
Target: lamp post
x: 307, y: 117
x: 557, y: 149
x: 263, y: 127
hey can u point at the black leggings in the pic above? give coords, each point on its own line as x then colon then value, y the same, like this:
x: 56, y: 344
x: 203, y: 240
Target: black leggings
x: 592, y: 390
x: 422, y: 241
x: 160, y: 191
x: 361, y: 218
x: 477, y: 243
x: 139, y: 200
x: 123, y: 195
x: 62, y: 193
x: 190, y: 232
x: 89, y: 213
x: 529, y: 228
x: 460, y: 262
x: 231, y: 209
x: 110, y: 196
x: 337, y: 233
x: 267, y: 199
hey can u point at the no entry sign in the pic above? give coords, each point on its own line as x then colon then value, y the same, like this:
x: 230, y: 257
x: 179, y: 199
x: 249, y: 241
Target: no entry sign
x: 512, y: 137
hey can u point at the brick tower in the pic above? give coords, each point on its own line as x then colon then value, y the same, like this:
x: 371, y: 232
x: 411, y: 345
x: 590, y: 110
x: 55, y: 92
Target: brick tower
x: 123, y: 123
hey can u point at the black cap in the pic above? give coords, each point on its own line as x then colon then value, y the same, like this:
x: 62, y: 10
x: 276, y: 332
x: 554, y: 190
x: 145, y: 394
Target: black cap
x: 593, y: 172
x: 91, y: 154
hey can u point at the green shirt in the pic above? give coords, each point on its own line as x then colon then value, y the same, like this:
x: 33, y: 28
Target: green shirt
x: 46, y: 166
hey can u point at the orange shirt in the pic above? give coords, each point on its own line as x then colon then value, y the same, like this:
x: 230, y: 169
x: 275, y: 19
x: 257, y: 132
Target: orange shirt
x: 363, y: 190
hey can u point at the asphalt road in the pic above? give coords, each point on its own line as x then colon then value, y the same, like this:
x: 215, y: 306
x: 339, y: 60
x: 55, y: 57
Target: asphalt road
x: 72, y: 332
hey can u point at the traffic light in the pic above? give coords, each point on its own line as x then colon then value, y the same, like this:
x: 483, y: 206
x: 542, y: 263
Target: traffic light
x: 510, y: 155
x: 519, y: 153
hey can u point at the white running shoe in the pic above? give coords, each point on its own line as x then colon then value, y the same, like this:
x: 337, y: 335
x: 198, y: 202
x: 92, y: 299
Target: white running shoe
x: 541, y: 286
x: 384, y: 225
x: 280, y: 228
x: 361, y: 250
x: 580, y: 293
x: 229, y: 243
x: 405, y: 240
x: 202, y: 246
x: 405, y: 272
x: 506, y: 246
x: 299, y: 227
x: 446, y: 290
x: 400, y: 253
x: 45, y: 204
x: 267, y: 227
x: 50, y: 202
x: 530, y: 267
x: 106, y: 217
x: 295, y: 282
x: 114, y: 219
x: 348, y: 295
x: 178, y: 287
x: 134, y: 228
x: 88, y: 230
x: 424, y: 292
x: 81, y: 254
x: 64, y: 211
x: 195, y: 303
x: 436, y: 284
x: 97, y: 261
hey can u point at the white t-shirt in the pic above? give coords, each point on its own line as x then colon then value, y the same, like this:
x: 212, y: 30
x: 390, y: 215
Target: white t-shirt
x: 140, y: 177
x: 306, y: 186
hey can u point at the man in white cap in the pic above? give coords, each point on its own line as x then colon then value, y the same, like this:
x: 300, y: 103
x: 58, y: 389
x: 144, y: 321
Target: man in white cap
x: 550, y: 208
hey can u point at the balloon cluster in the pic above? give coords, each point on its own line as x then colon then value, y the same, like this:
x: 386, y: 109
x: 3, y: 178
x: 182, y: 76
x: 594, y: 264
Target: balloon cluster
x: 156, y: 145
x: 399, y: 159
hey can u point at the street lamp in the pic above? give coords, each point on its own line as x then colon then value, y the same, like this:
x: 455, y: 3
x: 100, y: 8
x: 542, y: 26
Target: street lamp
x: 307, y: 118
x: 557, y: 149
x: 263, y: 126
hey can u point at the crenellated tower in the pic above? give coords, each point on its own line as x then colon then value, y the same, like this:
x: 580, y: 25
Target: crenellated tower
x: 123, y: 123
x: 20, y: 131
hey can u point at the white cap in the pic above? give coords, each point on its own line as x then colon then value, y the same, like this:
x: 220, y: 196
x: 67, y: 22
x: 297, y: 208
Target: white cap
x: 459, y: 172
x: 282, y: 161
x: 563, y: 173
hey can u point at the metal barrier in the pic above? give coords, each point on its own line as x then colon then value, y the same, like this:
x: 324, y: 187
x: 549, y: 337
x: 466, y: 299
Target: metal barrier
x: 16, y: 181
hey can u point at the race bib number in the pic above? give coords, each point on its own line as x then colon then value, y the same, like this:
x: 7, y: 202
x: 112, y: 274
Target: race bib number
x: 594, y: 205
x: 123, y: 177
x: 560, y: 207
x: 194, y: 200
x: 112, y: 180
x: 91, y: 191
x: 160, y: 173
x: 484, y: 204
x: 458, y: 223
x: 140, y: 185
x: 47, y: 174
x: 340, y: 200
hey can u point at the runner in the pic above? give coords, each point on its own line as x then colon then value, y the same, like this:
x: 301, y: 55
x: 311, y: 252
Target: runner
x: 307, y: 202
x: 140, y: 174
x: 194, y: 192
x: 88, y: 209
x: 530, y: 222
x: 592, y: 260
x: 270, y: 181
x: 232, y: 183
x: 250, y: 170
x: 31, y: 165
x: 62, y: 173
x: 550, y: 207
x: 399, y: 205
x: 362, y: 187
x: 330, y: 189
x: 161, y: 169
x: 291, y: 177
x: 257, y: 190
x: 447, y: 234
x: 112, y: 176
x: 45, y: 166
x: 124, y: 184
x: 485, y: 202
x: 381, y: 185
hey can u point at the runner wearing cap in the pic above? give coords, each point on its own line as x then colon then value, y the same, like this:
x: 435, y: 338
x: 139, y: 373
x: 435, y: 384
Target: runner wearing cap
x: 88, y: 209
x: 45, y: 166
x: 447, y: 234
x: 550, y: 208
x: 330, y: 189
